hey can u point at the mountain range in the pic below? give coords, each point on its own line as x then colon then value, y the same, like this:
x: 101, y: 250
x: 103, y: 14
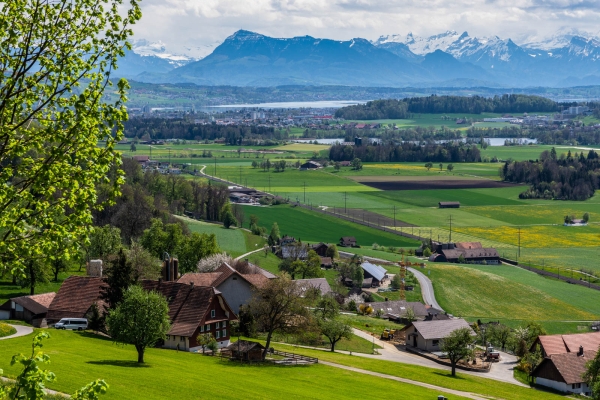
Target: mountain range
x: 569, y: 58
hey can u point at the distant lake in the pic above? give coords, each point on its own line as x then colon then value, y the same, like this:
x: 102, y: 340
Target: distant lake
x: 294, y: 104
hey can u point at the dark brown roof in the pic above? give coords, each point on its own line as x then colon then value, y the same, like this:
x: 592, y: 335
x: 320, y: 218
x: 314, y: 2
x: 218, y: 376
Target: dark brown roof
x: 75, y: 296
x: 199, y: 278
x: 244, y: 346
x: 449, y: 203
x: 569, y: 365
x: 326, y: 260
x: 37, y: 304
x: 188, y: 304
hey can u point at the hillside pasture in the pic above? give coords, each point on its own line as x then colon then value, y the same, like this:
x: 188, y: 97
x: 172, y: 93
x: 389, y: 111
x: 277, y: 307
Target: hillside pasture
x: 466, y: 197
x: 78, y: 358
x: 230, y: 240
x: 310, y: 226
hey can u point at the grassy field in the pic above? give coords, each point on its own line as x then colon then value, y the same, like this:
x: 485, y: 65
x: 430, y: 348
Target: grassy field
x: 79, y: 358
x: 506, y: 292
x: 232, y: 241
x: 464, y: 382
x: 310, y: 226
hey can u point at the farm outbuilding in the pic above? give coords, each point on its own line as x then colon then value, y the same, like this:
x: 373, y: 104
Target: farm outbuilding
x: 310, y: 165
x: 470, y: 256
x: 245, y: 350
x: 449, y: 204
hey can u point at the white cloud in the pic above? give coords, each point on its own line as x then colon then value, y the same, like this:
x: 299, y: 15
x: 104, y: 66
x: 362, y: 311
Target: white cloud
x: 201, y: 24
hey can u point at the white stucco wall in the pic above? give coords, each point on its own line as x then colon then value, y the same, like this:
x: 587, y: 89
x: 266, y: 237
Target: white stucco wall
x: 172, y: 341
x: 561, y: 386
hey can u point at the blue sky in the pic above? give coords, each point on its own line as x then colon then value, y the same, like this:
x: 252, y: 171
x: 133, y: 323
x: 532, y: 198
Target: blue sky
x: 196, y: 26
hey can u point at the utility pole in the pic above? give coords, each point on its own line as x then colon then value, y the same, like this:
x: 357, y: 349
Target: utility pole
x: 169, y: 155
x: 241, y: 182
x: 304, y: 191
x: 215, y: 166
x: 450, y: 237
x: 269, y: 183
x: 345, y: 200
x: 394, y: 217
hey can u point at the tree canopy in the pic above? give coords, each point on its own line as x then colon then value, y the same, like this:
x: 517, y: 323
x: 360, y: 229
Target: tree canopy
x: 56, y: 58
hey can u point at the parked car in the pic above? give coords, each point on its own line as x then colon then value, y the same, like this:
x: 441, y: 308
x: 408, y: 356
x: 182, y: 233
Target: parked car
x: 78, y: 324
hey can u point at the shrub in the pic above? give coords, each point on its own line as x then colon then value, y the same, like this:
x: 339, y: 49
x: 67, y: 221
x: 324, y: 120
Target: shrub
x: 6, y: 330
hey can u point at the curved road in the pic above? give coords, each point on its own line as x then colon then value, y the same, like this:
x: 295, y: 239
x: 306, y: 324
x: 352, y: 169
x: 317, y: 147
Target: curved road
x: 426, y: 288
x: 21, y: 331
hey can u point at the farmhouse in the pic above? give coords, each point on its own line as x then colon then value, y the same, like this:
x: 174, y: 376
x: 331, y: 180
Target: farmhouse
x: 31, y: 309
x: 374, y: 274
x: 426, y: 335
x: 192, y: 309
x: 320, y: 249
x: 348, y: 241
x: 235, y: 286
x: 295, y: 251
x: 449, y: 204
x: 470, y: 256
x: 310, y: 165
x: 563, y: 372
x: 564, y: 361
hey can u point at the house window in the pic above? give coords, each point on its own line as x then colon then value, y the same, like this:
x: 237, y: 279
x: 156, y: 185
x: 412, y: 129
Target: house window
x: 212, y: 313
x: 218, y: 335
x: 436, y: 342
x: 217, y: 325
x: 576, y: 386
x: 224, y: 324
x: 208, y: 327
x: 224, y: 332
x: 182, y: 339
x: 202, y: 328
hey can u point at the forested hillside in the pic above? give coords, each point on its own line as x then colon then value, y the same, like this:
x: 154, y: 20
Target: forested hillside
x: 570, y: 177
x: 400, y: 109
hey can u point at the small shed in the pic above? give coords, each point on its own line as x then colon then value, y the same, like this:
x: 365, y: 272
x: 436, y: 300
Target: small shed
x: 310, y: 165
x: 245, y: 350
x: 449, y: 204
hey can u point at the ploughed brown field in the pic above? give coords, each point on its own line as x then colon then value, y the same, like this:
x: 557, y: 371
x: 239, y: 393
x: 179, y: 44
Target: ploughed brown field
x: 384, y: 183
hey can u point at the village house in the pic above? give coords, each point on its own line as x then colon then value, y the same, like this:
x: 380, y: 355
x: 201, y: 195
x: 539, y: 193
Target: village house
x: 348, y: 241
x: 427, y: 335
x: 235, y: 286
x: 320, y: 249
x: 310, y: 165
x: 192, y: 309
x: 565, y: 357
x: 31, y: 309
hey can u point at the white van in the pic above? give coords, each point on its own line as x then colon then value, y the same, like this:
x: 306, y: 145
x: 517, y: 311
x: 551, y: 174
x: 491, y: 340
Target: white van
x: 78, y: 324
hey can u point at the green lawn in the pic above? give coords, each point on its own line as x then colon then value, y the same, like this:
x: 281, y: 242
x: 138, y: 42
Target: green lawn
x: 369, y: 324
x: 464, y: 382
x: 231, y: 240
x: 79, y: 358
x: 467, y: 197
x: 506, y: 292
x: 310, y: 226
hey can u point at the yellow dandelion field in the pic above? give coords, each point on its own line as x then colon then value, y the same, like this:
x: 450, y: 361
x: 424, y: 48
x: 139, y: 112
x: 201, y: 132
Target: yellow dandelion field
x: 539, y: 236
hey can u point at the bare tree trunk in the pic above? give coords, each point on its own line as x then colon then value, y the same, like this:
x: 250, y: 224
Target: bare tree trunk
x: 453, y: 368
x: 267, y: 344
x: 140, y: 351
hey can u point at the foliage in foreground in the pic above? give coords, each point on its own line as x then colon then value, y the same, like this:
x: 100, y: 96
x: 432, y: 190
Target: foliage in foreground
x: 31, y: 382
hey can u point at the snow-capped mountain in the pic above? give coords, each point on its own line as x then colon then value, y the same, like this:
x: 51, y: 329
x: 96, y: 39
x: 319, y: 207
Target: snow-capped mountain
x: 247, y: 58
x: 158, y: 49
x: 421, y: 45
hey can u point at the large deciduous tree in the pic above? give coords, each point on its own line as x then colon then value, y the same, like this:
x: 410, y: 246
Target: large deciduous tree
x: 456, y: 346
x: 55, y: 62
x: 278, y: 306
x: 141, y: 319
x: 592, y: 376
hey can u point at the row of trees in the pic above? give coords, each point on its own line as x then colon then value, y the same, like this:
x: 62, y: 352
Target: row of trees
x: 407, y: 152
x: 566, y: 177
x: 401, y: 109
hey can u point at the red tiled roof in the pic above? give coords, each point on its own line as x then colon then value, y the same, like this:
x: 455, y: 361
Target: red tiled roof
x: 468, y: 245
x: 558, y: 344
x: 553, y: 344
x: 199, y: 278
x: 220, y: 275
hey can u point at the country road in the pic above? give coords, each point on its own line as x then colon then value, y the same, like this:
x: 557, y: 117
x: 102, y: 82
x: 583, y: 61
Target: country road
x: 426, y: 288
